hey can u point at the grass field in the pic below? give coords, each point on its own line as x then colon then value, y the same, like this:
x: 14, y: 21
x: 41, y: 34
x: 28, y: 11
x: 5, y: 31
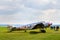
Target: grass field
x: 21, y: 35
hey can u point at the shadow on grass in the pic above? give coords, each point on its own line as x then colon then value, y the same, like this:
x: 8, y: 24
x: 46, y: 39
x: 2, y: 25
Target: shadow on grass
x: 34, y: 32
x: 31, y: 32
x: 14, y: 32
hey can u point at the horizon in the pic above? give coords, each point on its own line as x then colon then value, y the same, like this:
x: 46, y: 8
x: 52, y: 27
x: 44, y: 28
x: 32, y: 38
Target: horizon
x: 31, y: 22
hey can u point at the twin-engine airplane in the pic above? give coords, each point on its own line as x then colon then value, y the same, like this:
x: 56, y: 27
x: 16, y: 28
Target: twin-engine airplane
x: 40, y: 25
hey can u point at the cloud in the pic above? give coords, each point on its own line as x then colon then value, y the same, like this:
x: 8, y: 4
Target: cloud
x: 28, y: 11
x: 43, y: 4
x: 52, y: 15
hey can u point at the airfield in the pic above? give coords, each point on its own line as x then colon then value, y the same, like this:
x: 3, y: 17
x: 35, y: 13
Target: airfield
x: 29, y: 35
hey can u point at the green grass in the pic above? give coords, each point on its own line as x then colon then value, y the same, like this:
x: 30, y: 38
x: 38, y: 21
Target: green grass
x: 21, y: 35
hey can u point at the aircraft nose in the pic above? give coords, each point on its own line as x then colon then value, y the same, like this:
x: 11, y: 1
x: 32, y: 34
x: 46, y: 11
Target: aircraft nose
x: 49, y: 24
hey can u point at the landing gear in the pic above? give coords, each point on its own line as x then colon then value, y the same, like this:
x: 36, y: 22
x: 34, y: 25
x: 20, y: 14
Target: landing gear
x: 42, y: 30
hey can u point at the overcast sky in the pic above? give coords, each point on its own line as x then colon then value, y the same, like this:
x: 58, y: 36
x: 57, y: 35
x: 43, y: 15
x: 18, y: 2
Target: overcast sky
x: 28, y: 11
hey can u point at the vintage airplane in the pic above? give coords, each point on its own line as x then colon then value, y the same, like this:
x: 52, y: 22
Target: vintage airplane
x: 40, y: 25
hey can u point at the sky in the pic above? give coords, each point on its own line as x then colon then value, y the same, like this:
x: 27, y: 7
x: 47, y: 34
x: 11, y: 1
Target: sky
x: 29, y: 11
